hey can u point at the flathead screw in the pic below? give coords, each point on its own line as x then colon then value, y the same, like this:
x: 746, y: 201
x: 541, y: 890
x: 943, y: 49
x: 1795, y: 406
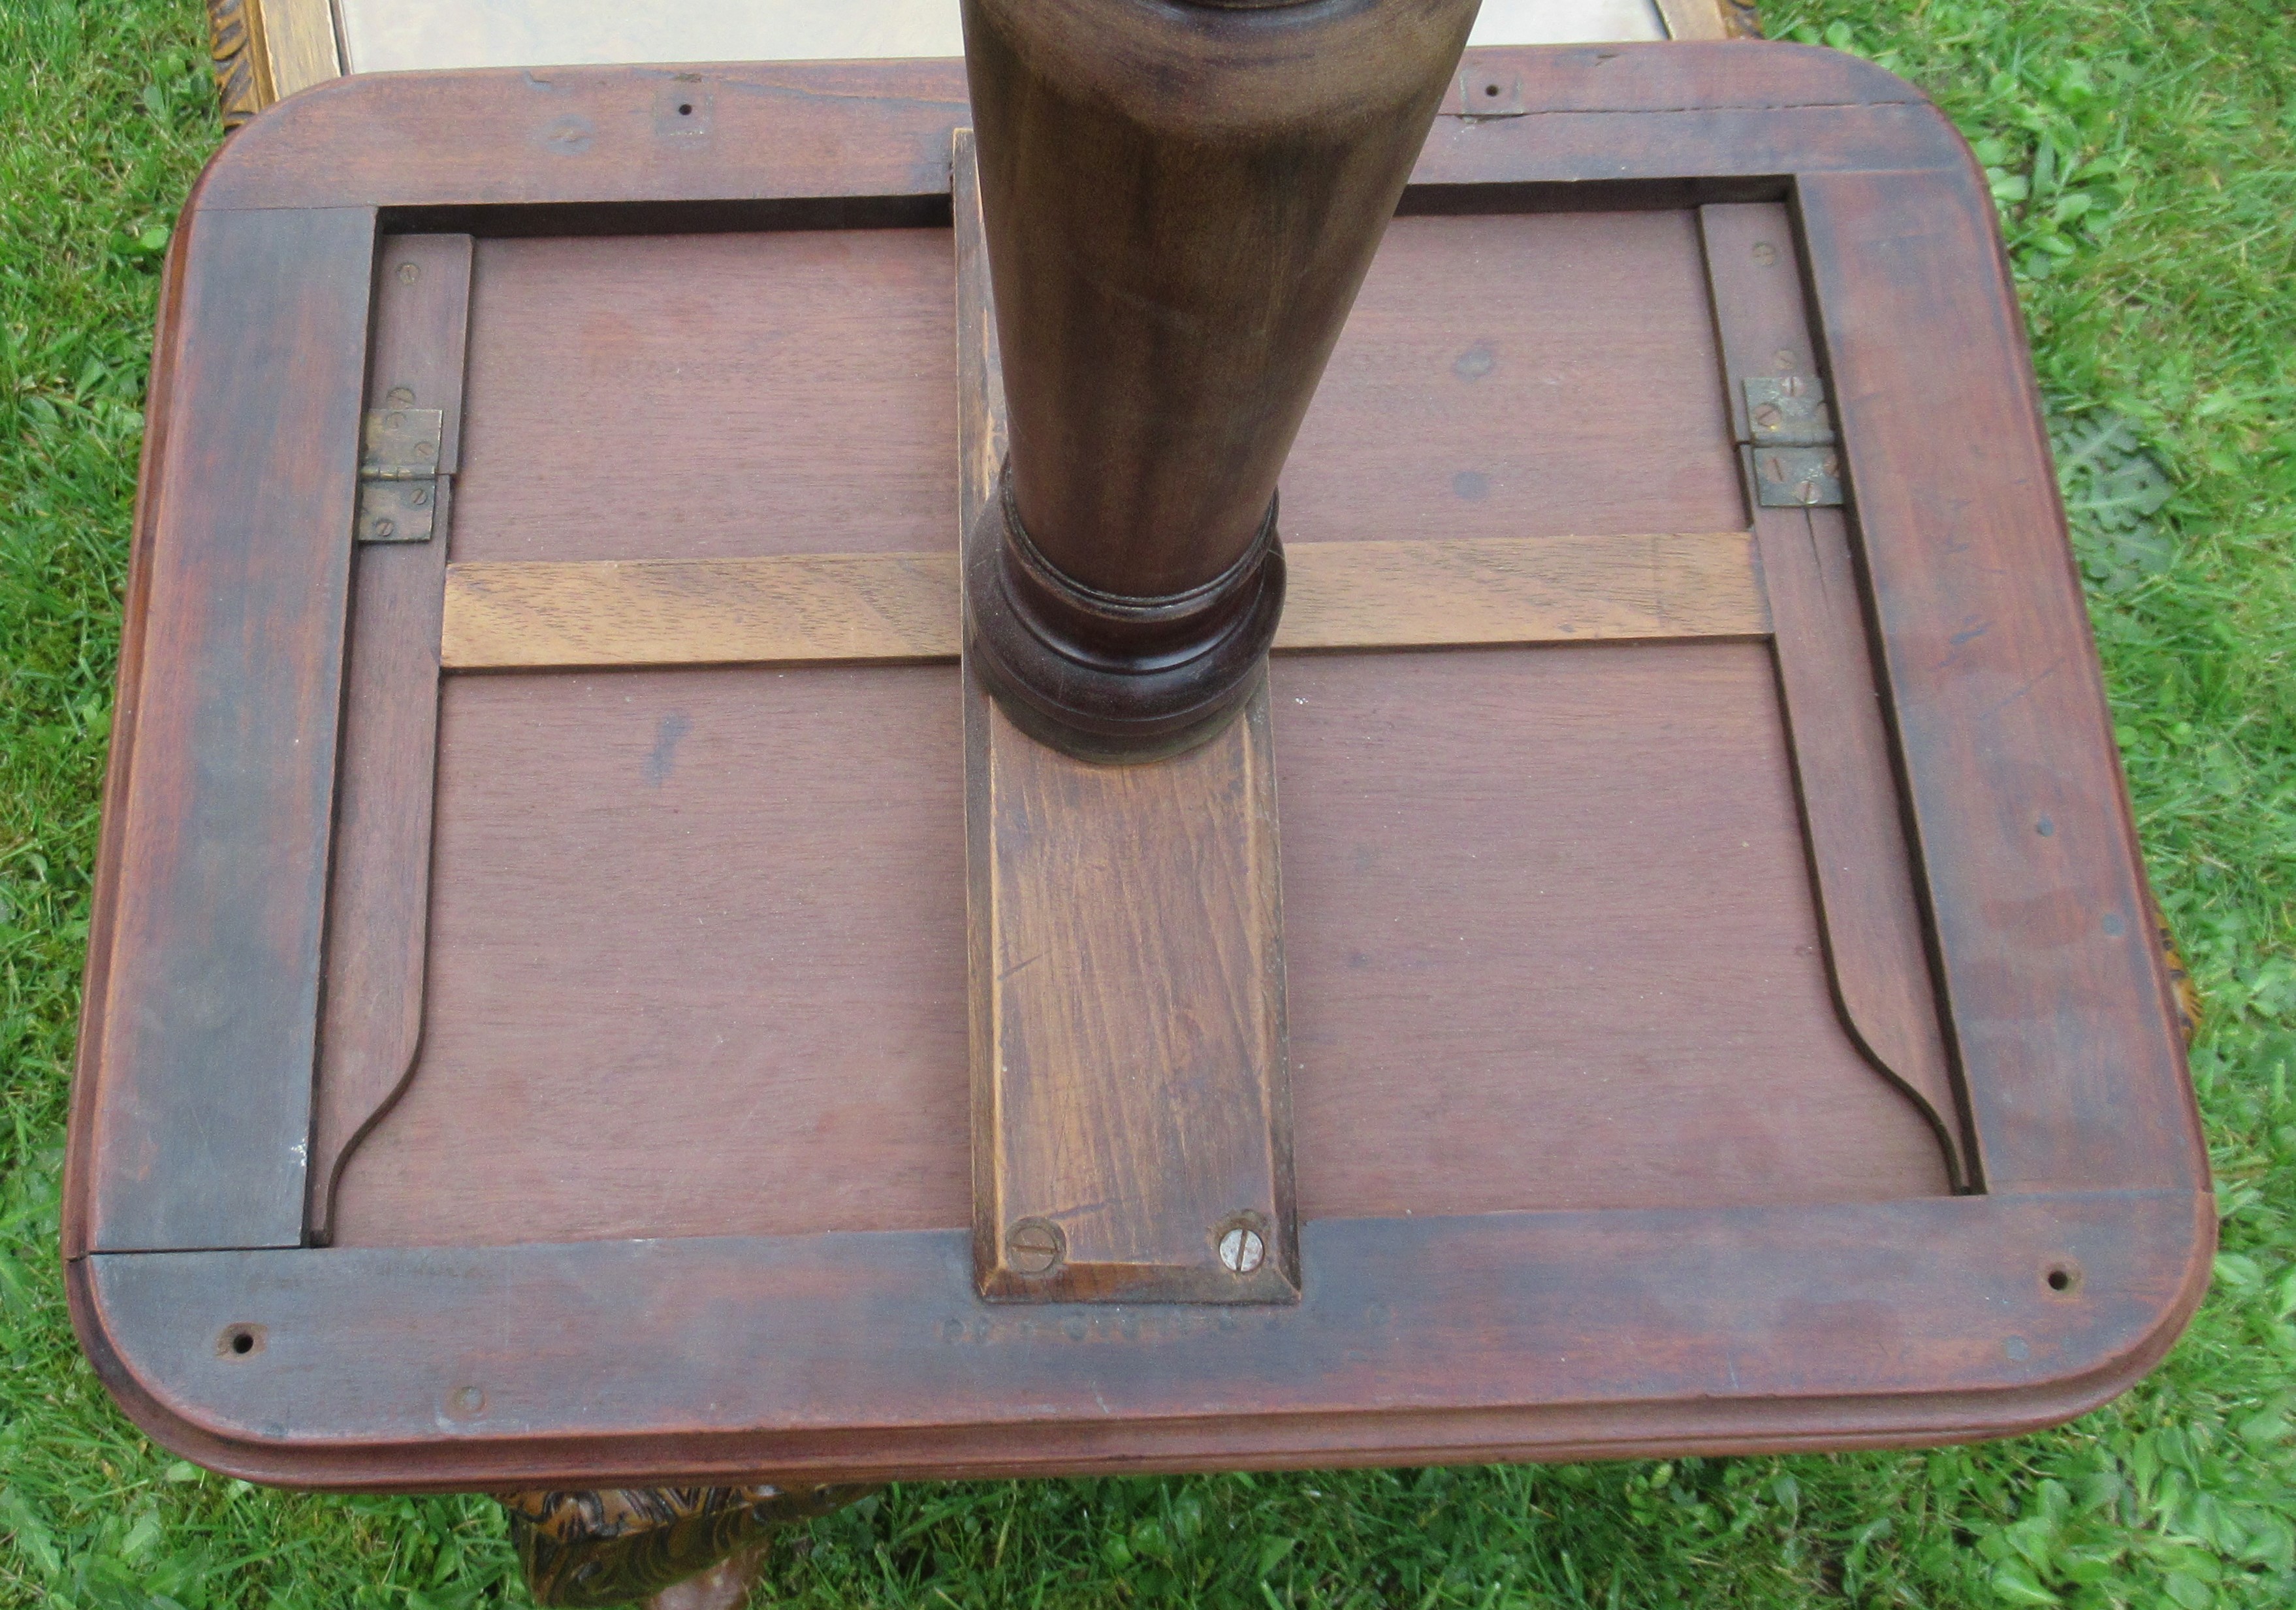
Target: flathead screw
x: 1241, y: 1250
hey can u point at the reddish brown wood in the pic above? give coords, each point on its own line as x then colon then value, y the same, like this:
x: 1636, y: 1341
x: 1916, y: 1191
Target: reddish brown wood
x: 864, y: 142
x: 1508, y: 374
x: 2052, y: 967
x: 538, y: 976
x: 1844, y: 763
x: 687, y: 923
x: 697, y: 964
x: 1497, y: 1336
x: 95, y: 980
x: 1546, y: 914
x: 378, y: 901
x: 795, y: 393
x: 210, y: 979
x: 710, y: 395
x: 868, y: 138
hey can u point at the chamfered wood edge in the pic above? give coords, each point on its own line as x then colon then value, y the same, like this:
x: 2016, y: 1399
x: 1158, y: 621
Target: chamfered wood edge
x: 585, y: 134
x: 1913, y: 525
x: 79, y: 1130
x: 426, y: 1449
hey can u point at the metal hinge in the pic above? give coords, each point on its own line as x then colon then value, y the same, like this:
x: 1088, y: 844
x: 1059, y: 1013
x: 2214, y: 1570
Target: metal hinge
x: 398, y: 474
x: 1797, y: 463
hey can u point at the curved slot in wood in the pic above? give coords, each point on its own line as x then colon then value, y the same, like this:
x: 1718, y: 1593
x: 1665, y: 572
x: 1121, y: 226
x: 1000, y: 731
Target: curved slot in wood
x: 1861, y: 862
x: 378, y: 905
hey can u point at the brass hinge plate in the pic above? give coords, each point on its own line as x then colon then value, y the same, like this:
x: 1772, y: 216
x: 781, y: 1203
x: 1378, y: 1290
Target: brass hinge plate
x: 1796, y: 457
x: 396, y: 511
x: 398, y: 474
x: 1797, y: 478
x: 1788, y: 411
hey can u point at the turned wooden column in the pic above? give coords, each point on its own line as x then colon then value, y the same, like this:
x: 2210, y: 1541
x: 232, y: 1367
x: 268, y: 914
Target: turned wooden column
x: 1181, y: 200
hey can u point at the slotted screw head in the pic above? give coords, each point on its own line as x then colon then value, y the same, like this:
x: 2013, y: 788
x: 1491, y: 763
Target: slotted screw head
x: 1241, y: 1250
x: 1035, y: 1246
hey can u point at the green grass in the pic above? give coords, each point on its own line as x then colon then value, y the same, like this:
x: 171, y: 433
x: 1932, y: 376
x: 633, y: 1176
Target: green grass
x: 2145, y: 152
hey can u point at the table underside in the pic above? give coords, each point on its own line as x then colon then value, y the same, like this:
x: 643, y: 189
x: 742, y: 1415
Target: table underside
x: 1722, y: 1010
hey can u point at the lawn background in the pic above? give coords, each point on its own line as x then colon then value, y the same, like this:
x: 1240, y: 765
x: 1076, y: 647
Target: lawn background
x: 2145, y: 154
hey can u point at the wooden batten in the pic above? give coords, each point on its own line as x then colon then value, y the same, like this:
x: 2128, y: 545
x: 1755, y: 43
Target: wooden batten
x: 902, y: 608
x: 1131, y: 1097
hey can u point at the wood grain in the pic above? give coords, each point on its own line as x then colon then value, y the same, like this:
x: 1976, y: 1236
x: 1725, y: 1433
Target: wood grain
x: 1437, y: 592
x: 2060, y: 998
x: 1179, y: 204
x: 791, y: 392
x: 1520, y: 1336
x: 1124, y: 945
x: 696, y: 930
x: 866, y: 136
x: 711, y: 397
x: 298, y: 37
x: 1551, y: 941
x: 79, y: 1138
x: 204, y: 1077
x: 783, y: 608
x: 379, y: 895
x: 1845, y: 764
x: 1129, y: 1084
x: 1544, y: 910
x: 903, y: 608
x: 697, y: 963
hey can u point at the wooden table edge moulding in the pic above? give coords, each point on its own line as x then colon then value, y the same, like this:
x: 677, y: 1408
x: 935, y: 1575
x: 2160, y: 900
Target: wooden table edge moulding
x: 2074, y: 1248
x: 266, y: 50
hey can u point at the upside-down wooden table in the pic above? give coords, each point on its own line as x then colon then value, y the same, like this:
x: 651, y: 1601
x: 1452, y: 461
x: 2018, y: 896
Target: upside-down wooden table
x: 527, y: 1028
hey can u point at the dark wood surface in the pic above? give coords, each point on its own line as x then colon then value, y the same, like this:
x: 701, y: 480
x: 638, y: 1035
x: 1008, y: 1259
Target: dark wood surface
x: 1547, y: 1335
x: 869, y: 141
x: 1845, y: 767
x: 209, y: 973
x: 2052, y: 965
x: 1590, y: 1157
x: 379, y: 897
x: 1178, y: 203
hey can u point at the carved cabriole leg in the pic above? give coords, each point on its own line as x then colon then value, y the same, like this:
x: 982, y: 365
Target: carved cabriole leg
x: 240, y: 90
x: 677, y: 1547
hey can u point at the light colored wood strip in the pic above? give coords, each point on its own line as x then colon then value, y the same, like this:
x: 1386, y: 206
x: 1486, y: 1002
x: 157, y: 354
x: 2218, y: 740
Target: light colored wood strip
x: 1434, y: 594
x: 892, y: 608
x: 854, y: 607
x: 1693, y: 19
x: 299, y: 45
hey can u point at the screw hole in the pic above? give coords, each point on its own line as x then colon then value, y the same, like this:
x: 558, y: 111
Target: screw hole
x: 1491, y: 89
x: 2063, y: 1278
x: 687, y: 110
x: 240, y: 1341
